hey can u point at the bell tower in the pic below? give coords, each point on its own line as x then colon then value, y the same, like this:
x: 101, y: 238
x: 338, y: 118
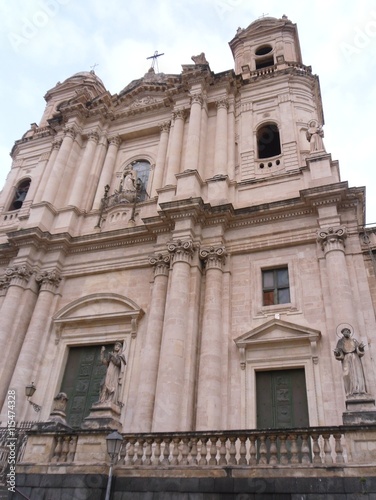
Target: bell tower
x: 279, y: 108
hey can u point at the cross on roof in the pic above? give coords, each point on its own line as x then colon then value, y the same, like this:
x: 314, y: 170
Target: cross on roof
x: 154, y: 64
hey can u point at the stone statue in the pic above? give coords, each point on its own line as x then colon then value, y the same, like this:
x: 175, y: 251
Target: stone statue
x: 110, y: 386
x: 314, y: 136
x: 349, y: 351
x: 200, y: 59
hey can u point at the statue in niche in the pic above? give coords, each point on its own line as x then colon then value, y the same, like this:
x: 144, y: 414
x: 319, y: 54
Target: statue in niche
x: 109, y: 392
x: 314, y: 136
x: 349, y: 351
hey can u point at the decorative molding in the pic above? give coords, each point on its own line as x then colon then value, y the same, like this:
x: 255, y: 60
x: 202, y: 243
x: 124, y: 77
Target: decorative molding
x: 332, y: 238
x: 49, y: 280
x: 161, y: 263
x: 18, y: 275
x: 181, y: 251
x: 213, y: 257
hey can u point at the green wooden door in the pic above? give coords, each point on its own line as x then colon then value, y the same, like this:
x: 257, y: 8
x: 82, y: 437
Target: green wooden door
x: 281, y: 399
x: 82, y: 379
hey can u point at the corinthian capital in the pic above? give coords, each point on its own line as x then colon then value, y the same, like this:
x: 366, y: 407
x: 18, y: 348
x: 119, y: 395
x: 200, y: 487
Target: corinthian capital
x: 48, y: 279
x: 18, y: 274
x: 213, y: 256
x: 197, y: 98
x: 165, y: 126
x: 161, y: 263
x: 332, y: 238
x: 70, y: 131
x: 115, y: 139
x: 181, y: 250
x: 222, y: 103
x: 179, y: 114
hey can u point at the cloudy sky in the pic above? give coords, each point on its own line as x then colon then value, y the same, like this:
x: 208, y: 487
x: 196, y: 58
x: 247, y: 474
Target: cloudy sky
x: 46, y: 41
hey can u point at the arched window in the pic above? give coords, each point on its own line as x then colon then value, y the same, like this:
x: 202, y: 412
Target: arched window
x: 264, y: 58
x: 20, y: 195
x: 268, y: 142
x: 141, y: 171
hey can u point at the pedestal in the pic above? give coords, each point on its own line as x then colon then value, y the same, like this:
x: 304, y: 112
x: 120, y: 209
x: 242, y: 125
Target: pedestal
x: 360, y: 410
x: 103, y: 416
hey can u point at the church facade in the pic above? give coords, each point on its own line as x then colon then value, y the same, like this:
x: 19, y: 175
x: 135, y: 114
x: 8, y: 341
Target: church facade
x: 183, y: 257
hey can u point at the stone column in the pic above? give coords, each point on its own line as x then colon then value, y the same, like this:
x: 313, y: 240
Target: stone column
x: 161, y: 157
x: 31, y: 356
x: 18, y: 277
x: 108, y: 169
x: 209, y: 408
x: 143, y: 417
x: 77, y: 195
x: 332, y: 241
x: 203, y: 134
x: 41, y: 191
x: 231, y: 140
x: 220, y: 150
x: 56, y: 173
x: 193, y: 140
x: 171, y: 370
x: 176, y: 147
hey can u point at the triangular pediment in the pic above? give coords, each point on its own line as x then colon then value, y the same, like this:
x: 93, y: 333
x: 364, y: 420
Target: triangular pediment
x: 277, y: 330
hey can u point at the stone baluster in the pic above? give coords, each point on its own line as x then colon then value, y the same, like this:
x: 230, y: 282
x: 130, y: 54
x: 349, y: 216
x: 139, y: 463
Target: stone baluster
x: 31, y: 355
x: 77, y: 195
x: 332, y: 241
x: 306, y: 459
x: 150, y: 352
x: 263, y: 460
x: 327, y: 449
x: 171, y: 371
x: 222, y: 451
x: 339, y: 449
x: 252, y: 451
x: 184, y: 451
x: 157, y: 451
x: 203, y: 451
x: 166, y: 451
x: 41, y: 191
x: 173, y: 167
x: 175, y: 451
x: 283, y: 458
x: 213, y: 451
x: 107, y: 170
x: 58, y: 449
x: 232, y: 450
x: 294, y: 449
x: 65, y: 449
x: 148, y: 452
x: 131, y: 451
x: 194, y: 451
x: 242, y: 451
x: 60, y: 164
x: 15, y: 315
x: 273, y: 452
x: 139, y: 452
x: 316, y: 449
x: 220, y: 149
x: 160, y: 163
x: 209, y: 395
x: 193, y: 139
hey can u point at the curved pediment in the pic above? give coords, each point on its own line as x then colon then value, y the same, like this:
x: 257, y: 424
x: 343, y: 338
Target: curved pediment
x: 97, y: 306
x: 277, y: 330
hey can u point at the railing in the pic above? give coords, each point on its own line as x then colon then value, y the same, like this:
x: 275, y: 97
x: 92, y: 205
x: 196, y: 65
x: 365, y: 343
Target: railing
x: 308, y: 447
x: 17, y: 447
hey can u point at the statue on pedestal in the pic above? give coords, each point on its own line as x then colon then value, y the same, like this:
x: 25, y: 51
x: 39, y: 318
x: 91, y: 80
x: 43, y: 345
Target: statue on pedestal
x: 314, y: 136
x: 110, y: 386
x: 349, y: 351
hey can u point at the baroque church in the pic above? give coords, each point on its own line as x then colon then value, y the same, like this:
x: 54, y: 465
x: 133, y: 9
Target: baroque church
x: 182, y: 263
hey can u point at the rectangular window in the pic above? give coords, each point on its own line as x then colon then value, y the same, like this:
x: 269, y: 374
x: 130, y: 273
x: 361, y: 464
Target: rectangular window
x: 275, y: 286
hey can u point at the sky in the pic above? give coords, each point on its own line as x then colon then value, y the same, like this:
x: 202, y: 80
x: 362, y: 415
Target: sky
x: 43, y: 42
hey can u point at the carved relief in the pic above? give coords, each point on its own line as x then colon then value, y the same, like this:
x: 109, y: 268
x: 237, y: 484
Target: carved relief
x: 332, y: 238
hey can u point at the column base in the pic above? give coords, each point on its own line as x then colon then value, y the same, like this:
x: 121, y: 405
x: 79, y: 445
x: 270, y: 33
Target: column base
x: 103, y: 416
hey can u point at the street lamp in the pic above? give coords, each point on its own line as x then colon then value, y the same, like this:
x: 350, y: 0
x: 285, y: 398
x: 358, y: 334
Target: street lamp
x: 29, y: 391
x: 113, y: 442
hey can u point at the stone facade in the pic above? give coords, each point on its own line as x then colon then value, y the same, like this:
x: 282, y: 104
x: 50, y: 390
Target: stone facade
x: 197, y: 219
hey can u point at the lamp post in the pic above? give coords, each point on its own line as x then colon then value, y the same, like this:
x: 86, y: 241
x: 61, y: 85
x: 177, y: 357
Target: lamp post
x: 113, y: 442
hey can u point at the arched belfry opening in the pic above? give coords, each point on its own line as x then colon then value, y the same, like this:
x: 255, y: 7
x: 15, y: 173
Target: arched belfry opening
x: 264, y: 56
x: 268, y: 141
x: 20, y: 195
